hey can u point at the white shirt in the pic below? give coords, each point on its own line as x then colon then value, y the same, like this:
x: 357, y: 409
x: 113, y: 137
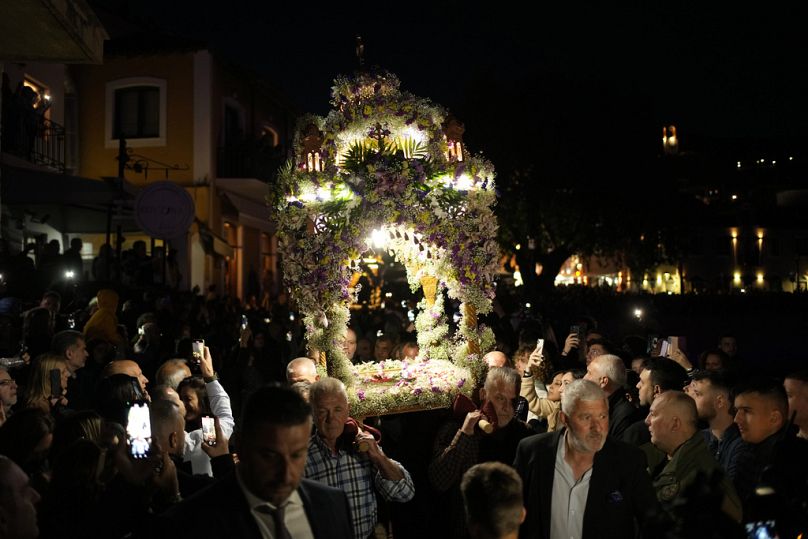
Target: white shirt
x: 220, y: 407
x: 569, y: 497
x: 295, y: 519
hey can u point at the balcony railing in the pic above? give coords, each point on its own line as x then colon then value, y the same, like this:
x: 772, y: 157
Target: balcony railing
x: 249, y: 161
x: 35, y: 139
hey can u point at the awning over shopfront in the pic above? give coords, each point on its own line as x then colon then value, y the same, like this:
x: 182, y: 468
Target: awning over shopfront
x: 212, y: 243
x: 247, y: 197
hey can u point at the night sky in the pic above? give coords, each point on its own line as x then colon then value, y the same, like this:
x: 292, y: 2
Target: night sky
x: 716, y: 71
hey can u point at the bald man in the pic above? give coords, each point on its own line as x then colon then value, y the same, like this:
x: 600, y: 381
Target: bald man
x: 673, y: 424
x: 495, y: 358
x: 172, y: 372
x: 129, y: 368
x: 301, y: 369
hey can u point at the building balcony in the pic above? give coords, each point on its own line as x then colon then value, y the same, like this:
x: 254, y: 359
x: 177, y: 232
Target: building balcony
x: 34, y: 139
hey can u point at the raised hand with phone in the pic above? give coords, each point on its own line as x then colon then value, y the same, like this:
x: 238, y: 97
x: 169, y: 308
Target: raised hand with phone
x: 536, y: 364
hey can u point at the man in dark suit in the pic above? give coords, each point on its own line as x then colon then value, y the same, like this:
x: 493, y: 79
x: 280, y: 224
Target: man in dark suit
x: 609, y: 372
x: 577, y: 481
x: 267, y: 496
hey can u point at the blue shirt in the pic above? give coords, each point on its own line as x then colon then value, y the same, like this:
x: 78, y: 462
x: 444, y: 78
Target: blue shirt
x: 354, y: 473
x: 726, y: 450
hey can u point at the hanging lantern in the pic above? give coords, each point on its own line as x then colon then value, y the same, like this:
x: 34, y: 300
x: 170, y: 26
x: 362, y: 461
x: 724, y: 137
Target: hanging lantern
x: 312, y: 142
x: 453, y: 129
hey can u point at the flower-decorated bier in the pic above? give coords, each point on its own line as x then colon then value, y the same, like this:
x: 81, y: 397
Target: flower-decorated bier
x: 397, y: 386
x: 388, y: 170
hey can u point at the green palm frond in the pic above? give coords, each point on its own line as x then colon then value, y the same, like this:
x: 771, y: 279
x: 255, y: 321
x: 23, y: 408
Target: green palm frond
x: 413, y: 149
x: 356, y: 155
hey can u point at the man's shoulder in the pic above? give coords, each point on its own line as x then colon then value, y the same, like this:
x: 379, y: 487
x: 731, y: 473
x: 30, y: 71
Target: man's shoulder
x: 538, y: 442
x: 621, y: 451
x: 315, y: 489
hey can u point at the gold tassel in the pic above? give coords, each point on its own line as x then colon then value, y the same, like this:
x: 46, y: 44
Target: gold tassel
x: 470, y: 319
x: 430, y: 285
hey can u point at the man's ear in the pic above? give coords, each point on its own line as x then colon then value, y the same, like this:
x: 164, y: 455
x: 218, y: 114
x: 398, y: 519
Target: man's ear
x: 604, y: 381
x: 657, y: 390
x: 563, y: 418
x: 776, y: 417
x: 173, y: 441
x: 524, y: 514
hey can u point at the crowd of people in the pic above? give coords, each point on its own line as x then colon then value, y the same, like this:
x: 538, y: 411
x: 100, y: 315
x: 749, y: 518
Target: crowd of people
x: 583, y: 436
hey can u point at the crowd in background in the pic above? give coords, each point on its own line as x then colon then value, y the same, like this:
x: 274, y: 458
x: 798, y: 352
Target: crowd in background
x: 77, y: 354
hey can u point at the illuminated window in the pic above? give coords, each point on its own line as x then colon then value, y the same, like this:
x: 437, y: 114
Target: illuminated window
x: 136, y: 111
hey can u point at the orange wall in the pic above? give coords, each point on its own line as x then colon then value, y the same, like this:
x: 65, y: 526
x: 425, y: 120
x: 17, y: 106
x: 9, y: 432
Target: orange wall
x: 177, y: 69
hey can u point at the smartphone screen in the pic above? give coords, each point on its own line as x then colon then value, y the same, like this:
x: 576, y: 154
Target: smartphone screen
x: 198, y: 350
x: 664, y: 348
x: 56, y: 383
x: 138, y: 431
x: 765, y: 529
x: 539, y: 346
x: 208, y: 430
x: 244, y: 322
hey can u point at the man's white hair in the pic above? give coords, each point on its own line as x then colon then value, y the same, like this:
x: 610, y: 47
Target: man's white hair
x: 326, y: 386
x: 612, y: 367
x: 580, y: 390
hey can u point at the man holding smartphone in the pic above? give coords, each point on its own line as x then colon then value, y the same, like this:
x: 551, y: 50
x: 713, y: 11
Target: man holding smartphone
x: 267, y: 496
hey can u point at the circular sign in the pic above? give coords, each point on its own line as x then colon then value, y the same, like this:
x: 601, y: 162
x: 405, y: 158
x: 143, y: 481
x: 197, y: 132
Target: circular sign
x: 164, y: 210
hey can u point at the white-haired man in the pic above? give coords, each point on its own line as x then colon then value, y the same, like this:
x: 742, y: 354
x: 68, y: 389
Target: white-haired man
x: 609, y: 373
x: 459, y: 445
x: 577, y: 481
x: 336, y: 462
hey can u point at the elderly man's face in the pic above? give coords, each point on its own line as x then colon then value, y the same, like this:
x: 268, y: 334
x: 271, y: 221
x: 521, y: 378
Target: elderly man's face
x: 330, y: 414
x: 76, y: 355
x: 502, y: 396
x: 273, y: 459
x: 8, y: 389
x: 588, y: 425
x: 659, y: 421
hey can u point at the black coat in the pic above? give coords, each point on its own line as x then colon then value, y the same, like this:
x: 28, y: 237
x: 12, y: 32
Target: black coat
x: 620, y: 492
x: 222, y: 511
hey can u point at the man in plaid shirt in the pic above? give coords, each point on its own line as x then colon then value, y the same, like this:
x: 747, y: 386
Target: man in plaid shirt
x: 333, y: 460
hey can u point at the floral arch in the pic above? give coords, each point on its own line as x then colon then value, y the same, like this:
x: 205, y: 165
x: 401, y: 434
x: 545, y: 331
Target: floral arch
x: 387, y: 166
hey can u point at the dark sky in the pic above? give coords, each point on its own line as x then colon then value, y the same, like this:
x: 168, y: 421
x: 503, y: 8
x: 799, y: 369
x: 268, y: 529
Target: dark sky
x: 713, y: 70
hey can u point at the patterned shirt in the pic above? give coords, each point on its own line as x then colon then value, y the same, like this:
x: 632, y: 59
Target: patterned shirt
x: 355, y: 474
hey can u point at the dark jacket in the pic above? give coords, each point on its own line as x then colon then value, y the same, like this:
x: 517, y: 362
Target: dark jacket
x: 222, y: 511
x: 620, y: 492
x: 621, y: 414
